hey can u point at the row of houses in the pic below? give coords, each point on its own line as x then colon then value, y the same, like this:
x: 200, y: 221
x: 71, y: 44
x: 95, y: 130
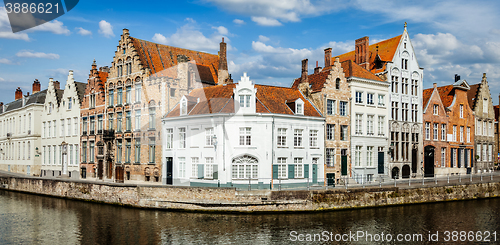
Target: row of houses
x: 161, y: 114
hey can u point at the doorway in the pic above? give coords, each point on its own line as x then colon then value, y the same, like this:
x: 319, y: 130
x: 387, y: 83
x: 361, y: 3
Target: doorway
x: 100, y: 169
x: 429, y: 152
x: 330, y: 179
x: 395, y: 173
x: 405, y: 172
x: 169, y: 170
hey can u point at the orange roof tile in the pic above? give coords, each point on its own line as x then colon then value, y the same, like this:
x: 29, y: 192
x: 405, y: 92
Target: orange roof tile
x: 472, y: 95
x: 270, y: 99
x: 386, y: 51
x: 446, y: 93
x: 103, y: 76
x: 426, y: 95
x: 316, y: 80
x: 159, y: 58
x: 352, y: 69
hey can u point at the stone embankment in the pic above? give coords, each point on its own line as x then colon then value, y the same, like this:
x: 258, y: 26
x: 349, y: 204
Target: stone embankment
x: 199, y: 199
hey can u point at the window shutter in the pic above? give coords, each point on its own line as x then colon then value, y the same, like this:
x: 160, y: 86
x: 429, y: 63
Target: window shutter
x: 216, y: 171
x: 291, y: 171
x: 306, y: 170
x: 201, y: 171
x: 275, y: 171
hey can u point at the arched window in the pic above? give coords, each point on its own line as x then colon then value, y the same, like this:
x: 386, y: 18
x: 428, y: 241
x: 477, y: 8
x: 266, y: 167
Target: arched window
x: 245, y: 167
x: 337, y: 83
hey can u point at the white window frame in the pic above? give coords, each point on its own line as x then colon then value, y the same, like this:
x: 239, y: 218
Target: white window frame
x: 313, y: 138
x: 298, y: 137
x: 209, y: 136
x: 369, y: 124
x: 245, y: 136
x: 182, y: 138
x: 369, y: 156
x: 435, y: 131
x: 281, y: 142
x: 282, y: 168
x: 182, y: 167
x: 299, y: 168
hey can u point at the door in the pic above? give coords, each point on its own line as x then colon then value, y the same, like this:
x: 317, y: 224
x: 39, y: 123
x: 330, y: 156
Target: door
x: 459, y: 165
x: 343, y: 160
x: 100, y: 170
x: 381, y: 162
x: 414, y: 160
x: 429, y: 161
x: 119, y: 174
x: 315, y: 173
x: 169, y: 170
x: 110, y: 169
x: 330, y: 179
x: 405, y: 172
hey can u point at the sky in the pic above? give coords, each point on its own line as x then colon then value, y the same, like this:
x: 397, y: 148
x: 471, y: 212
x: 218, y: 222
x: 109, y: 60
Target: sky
x: 266, y: 39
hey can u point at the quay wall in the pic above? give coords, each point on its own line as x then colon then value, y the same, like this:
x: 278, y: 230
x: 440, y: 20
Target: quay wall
x: 206, y: 199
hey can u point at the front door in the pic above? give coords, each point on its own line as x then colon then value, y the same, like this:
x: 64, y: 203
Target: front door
x: 414, y: 160
x: 330, y: 179
x: 315, y: 173
x: 381, y: 162
x: 119, y: 174
x: 429, y: 161
x: 169, y: 171
x: 344, y: 164
x: 100, y: 169
x: 110, y: 169
x: 405, y: 172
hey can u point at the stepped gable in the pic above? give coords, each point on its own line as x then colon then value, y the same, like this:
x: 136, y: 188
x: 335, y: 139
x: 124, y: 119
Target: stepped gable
x: 472, y: 95
x: 159, y: 58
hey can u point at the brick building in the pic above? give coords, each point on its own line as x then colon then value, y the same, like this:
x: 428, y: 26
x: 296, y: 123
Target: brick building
x: 146, y: 80
x: 481, y: 103
x: 327, y: 88
x: 92, y: 115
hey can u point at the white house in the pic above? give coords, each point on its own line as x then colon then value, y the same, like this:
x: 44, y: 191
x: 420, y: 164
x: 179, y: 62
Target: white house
x: 20, y: 132
x: 235, y: 134
x: 61, y: 130
x: 369, y: 123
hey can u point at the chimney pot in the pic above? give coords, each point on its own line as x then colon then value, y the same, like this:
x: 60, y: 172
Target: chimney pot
x: 304, y: 70
x: 434, y: 85
x: 35, y: 86
x: 328, y: 57
x: 19, y: 93
x: 457, y: 77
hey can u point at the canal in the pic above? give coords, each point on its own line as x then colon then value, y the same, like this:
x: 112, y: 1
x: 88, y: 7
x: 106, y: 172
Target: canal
x: 31, y: 219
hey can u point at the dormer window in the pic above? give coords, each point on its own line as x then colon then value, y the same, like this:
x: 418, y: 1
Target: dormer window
x: 244, y: 100
x: 299, y: 107
x: 183, y: 106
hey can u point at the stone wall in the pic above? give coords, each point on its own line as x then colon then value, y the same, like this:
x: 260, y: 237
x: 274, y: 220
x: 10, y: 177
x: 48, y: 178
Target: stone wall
x: 231, y: 200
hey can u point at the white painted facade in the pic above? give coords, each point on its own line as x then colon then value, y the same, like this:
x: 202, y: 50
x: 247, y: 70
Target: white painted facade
x: 60, y: 124
x: 235, y: 149
x: 369, y: 124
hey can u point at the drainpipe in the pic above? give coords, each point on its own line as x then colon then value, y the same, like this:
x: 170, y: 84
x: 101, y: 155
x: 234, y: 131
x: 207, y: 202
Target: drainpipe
x: 272, y: 151
x: 224, y: 143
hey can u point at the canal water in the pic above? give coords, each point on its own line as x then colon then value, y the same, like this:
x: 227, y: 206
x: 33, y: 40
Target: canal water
x: 31, y: 219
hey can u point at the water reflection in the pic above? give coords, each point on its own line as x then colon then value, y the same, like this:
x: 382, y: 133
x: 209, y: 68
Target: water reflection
x: 28, y: 219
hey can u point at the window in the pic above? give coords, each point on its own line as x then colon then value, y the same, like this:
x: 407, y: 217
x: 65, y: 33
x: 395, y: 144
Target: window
x: 330, y: 131
x: 128, y: 121
x: 427, y: 130
x: 485, y: 106
x: 443, y: 157
x: 110, y: 121
x: 369, y: 99
x: 92, y: 125
x: 337, y: 83
x: 435, y: 129
x: 75, y: 127
x: 194, y: 166
x: 182, y: 167
x: 282, y: 137
x: 461, y: 133
x: 172, y: 92
x: 299, y: 168
x: 490, y: 152
x: 128, y: 98
x: 455, y: 133
x: 468, y: 134
x: 394, y: 84
x: 490, y: 128
x: 245, y: 101
x: 369, y: 124
x: 443, y: 132
x: 245, y: 167
x: 330, y: 157
x: 435, y: 110
x: 62, y: 128
x: 118, y: 151
x: 92, y: 148
x: 359, y: 97
x: 44, y: 155
x: 183, y: 107
x: 111, y: 98
x: 381, y: 120
x: 313, y: 138
x: 300, y: 108
x: 84, y: 126
x: 478, y: 152
x: 245, y: 136
x: 343, y: 108
x: 478, y: 128
x: 404, y: 64
x: 119, y: 122
x: 138, y: 120
x: 152, y: 116
x: 55, y: 128
x: 461, y: 111
x: 359, y: 124
x: 209, y: 136
x: 128, y: 150
x: 69, y: 126
x: 209, y: 167
x: 152, y: 150
x: 330, y: 107
x: 297, y: 137
x: 343, y: 132
x: 369, y: 156
x: 484, y: 153
x: 182, y: 137
x: 119, y: 96
x: 99, y: 123
x: 483, y: 133
x: 282, y: 173
x: 138, y: 91
x: 44, y: 130
x: 170, y: 138
x: 381, y: 100
x: 357, y: 156
x: 29, y: 150
x: 137, y: 151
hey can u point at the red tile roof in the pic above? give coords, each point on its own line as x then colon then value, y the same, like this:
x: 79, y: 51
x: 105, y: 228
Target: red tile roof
x: 446, y: 93
x: 316, y: 80
x: 352, y: 69
x: 270, y: 99
x: 386, y: 51
x: 426, y: 95
x: 103, y: 76
x: 472, y: 95
x: 159, y: 58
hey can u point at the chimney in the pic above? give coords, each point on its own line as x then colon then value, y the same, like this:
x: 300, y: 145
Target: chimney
x: 434, y: 85
x: 317, y: 69
x: 57, y: 85
x: 19, y: 93
x: 303, y: 76
x: 457, y: 77
x: 36, y: 86
x: 328, y: 57
x: 361, y: 55
x: 223, y: 72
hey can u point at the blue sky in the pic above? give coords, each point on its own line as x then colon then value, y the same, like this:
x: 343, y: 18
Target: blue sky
x: 267, y: 39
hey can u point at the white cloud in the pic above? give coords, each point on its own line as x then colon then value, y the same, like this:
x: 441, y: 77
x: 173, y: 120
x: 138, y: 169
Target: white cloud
x: 1, y: 79
x: 83, y: 32
x: 189, y: 36
x: 5, y: 29
x: 238, y: 21
x: 265, y: 21
x: 56, y: 27
x: 106, y: 29
x: 5, y: 61
x: 263, y: 38
x: 29, y: 54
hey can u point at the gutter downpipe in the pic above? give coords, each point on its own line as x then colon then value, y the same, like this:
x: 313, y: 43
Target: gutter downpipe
x: 272, y: 154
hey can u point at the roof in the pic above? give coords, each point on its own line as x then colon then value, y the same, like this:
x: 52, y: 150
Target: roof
x: 270, y: 99
x: 446, y: 93
x: 426, y: 95
x: 472, y: 95
x: 36, y: 98
x: 158, y: 58
x: 495, y: 108
x: 386, y: 50
x: 351, y: 69
x: 316, y: 80
x: 80, y: 90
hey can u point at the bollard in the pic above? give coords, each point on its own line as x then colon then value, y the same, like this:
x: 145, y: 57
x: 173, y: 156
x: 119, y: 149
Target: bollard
x: 249, y: 184
x: 491, y: 175
x: 470, y: 176
x: 394, y: 182
x: 459, y: 177
x: 279, y: 186
x: 423, y: 180
x: 435, y: 180
x: 380, y: 183
x: 409, y: 181
x: 448, y: 178
x: 481, y: 176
